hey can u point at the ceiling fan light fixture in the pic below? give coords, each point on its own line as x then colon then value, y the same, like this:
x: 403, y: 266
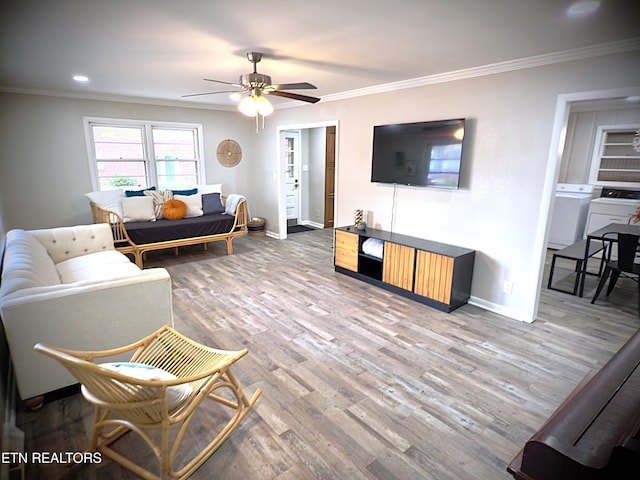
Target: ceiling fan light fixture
x: 265, y: 108
x: 248, y: 106
x: 255, y: 105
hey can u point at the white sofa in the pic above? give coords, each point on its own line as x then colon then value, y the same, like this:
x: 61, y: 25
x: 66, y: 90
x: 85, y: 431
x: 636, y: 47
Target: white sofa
x: 70, y: 288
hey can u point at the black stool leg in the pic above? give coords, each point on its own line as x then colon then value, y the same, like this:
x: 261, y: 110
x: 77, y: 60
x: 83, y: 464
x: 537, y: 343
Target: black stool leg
x: 553, y: 266
x: 639, y: 296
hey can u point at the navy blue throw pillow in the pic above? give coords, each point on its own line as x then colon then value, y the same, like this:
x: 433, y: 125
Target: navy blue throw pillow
x: 191, y: 191
x: 211, y: 203
x: 137, y: 193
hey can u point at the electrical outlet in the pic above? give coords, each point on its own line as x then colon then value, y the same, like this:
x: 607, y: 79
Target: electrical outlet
x: 507, y: 287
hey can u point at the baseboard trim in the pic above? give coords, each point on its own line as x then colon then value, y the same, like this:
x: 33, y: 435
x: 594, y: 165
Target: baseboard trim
x: 499, y: 309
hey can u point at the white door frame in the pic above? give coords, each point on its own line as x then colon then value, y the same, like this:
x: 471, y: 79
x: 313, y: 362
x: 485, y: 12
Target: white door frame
x: 280, y: 168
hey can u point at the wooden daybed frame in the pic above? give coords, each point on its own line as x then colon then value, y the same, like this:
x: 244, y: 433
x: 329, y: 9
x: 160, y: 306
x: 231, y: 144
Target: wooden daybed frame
x: 124, y: 244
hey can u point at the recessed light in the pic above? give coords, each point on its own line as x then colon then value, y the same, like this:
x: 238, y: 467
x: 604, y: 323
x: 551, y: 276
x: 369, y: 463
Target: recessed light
x: 581, y: 9
x: 633, y: 98
x: 235, y: 97
x: 81, y: 78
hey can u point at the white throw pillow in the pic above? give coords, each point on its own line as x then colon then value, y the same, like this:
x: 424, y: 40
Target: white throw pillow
x: 212, y: 188
x: 108, y: 199
x: 194, y: 204
x: 138, y: 209
x: 176, y: 394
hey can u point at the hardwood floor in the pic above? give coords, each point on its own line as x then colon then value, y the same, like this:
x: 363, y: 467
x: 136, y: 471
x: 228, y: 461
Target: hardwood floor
x: 358, y: 383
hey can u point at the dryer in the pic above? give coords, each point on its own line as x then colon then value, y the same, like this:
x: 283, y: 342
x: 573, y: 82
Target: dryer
x: 615, y: 205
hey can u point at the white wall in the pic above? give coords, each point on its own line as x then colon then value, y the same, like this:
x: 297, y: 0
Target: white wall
x: 44, y: 170
x: 501, y: 209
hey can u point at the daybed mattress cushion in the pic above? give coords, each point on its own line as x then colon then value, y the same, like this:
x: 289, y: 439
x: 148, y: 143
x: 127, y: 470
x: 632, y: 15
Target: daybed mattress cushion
x: 166, y: 230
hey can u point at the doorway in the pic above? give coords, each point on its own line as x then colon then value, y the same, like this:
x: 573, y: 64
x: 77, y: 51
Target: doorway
x: 564, y: 106
x: 307, y: 158
x: 290, y: 141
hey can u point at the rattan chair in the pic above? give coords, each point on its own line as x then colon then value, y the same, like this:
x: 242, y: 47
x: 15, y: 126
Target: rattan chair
x: 124, y: 403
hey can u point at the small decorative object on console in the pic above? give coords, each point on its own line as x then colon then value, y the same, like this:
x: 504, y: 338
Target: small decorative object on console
x: 358, y: 216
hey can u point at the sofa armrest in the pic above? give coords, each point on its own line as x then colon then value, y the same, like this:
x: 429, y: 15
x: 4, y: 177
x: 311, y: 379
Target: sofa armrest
x: 118, y: 230
x: 81, y: 316
x: 241, y: 223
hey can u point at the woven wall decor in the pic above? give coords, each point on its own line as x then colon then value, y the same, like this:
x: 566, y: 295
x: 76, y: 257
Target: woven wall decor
x: 229, y: 153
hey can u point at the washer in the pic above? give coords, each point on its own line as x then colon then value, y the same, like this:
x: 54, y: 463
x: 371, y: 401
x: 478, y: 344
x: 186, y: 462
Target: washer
x: 569, y: 215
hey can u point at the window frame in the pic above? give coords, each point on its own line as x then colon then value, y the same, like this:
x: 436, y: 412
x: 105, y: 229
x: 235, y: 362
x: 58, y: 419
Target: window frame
x: 149, y: 159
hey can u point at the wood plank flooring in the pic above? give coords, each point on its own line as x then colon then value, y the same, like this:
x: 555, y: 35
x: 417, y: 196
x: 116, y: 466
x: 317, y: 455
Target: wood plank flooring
x: 358, y: 383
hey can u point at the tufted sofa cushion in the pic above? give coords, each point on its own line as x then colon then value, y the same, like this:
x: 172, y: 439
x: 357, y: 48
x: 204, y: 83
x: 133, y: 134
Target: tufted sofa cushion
x: 98, y: 266
x: 26, y: 264
x: 69, y: 242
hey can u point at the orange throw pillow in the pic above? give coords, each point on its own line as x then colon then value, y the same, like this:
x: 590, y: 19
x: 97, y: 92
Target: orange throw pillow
x: 174, y: 209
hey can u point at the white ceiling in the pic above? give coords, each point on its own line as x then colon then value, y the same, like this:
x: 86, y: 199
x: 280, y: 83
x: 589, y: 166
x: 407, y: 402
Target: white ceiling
x: 159, y: 49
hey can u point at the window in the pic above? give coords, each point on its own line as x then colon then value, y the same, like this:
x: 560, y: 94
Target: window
x: 131, y: 154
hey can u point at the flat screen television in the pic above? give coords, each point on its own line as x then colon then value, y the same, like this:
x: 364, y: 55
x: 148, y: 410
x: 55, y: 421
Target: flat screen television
x: 426, y: 154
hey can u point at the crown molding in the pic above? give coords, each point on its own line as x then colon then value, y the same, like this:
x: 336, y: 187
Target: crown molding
x: 582, y: 53
x: 593, y: 51
x: 117, y: 98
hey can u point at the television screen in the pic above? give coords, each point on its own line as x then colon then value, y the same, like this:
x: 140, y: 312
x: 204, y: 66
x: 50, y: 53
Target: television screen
x: 424, y: 153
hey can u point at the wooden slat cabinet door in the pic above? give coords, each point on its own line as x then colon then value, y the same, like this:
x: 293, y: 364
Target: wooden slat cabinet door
x: 346, y: 250
x: 434, y: 276
x: 397, y: 267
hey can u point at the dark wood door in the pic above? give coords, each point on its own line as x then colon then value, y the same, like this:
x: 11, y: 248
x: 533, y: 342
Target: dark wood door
x: 329, y: 175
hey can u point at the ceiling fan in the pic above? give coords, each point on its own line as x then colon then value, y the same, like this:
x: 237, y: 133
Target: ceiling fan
x: 257, y: 85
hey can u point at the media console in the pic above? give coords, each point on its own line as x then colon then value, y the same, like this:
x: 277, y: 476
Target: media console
x: 436, y: 274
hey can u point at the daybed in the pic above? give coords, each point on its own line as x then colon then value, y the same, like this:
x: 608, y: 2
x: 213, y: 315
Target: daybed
x: 68, y: 286
x: 137, y: 228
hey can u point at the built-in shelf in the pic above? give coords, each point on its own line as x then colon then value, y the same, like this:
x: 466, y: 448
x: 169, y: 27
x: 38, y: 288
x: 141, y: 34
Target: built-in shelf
x: 615, y: 163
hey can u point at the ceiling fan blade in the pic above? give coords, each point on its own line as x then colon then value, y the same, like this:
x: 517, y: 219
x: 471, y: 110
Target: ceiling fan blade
x: 222, y: 81
x: 294, y: 96
x: 293, y: 86
x: 209, y: 93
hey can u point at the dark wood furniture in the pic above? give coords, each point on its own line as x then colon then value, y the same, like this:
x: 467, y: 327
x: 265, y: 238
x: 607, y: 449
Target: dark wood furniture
x: 595, y: 433
x: 433, y: 273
